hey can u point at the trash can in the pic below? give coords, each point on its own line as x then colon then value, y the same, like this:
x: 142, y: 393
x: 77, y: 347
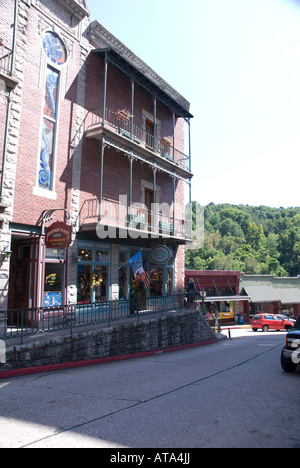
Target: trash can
x: 241, y: 319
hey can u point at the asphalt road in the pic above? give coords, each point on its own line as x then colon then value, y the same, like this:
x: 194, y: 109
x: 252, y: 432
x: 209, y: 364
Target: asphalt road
x: 230, y: 394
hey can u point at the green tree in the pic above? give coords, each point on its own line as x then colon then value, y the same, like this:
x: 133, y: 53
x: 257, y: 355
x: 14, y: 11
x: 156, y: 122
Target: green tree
x: 254, y: 239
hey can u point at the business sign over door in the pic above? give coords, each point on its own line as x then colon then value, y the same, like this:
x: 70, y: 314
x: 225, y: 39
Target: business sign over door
x: 58, y: 236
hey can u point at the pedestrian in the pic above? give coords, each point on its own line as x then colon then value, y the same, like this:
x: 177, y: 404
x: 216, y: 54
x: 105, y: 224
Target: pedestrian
x: 191, y: 291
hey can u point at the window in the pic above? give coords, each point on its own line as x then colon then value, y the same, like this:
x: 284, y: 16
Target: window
x: 149, y: 134
x: 93, y: 279
x: 56, y: 54
x: 54, y: 49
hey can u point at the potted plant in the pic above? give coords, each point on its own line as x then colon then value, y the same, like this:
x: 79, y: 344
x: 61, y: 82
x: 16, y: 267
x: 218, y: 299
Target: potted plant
x: 166, y: 141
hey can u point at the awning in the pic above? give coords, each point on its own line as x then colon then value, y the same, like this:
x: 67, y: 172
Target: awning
x: 289, y: 295
x: 227, y: 298
x: 262, y: 294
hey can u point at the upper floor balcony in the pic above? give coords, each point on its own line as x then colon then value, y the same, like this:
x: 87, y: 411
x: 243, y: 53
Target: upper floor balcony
x: 121, y: 124
x: 6, y: 66
x: 5, y: 59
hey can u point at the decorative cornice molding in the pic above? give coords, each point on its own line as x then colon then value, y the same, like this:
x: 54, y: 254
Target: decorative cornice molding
x: 77, y: 7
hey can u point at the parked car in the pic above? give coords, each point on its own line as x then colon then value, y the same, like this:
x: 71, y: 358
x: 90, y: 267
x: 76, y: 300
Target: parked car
x: 290, y: 355
x: 286, y: 317
x: 270, y: 322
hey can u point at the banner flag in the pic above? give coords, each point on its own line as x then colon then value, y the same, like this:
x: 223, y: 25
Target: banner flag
x: 136, y: 263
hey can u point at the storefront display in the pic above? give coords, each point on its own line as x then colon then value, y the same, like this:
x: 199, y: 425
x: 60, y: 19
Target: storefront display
x: 93, y: 275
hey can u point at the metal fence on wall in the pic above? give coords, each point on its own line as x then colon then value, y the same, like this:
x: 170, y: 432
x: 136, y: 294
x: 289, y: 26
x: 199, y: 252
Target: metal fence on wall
x: 20, y: 323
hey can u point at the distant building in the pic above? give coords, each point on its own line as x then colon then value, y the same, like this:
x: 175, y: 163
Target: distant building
x: 222, y: 292
x: 272, y: 295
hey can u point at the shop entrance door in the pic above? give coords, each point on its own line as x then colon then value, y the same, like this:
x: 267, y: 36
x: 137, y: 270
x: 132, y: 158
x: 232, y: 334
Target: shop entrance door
x: 23, y: 274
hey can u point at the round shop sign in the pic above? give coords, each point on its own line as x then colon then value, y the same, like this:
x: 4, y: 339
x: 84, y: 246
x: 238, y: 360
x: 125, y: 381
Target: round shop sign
x: 160, y: 255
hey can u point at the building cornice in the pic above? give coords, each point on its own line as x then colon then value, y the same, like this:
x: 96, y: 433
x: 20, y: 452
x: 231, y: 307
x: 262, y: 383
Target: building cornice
x: 77, y: 7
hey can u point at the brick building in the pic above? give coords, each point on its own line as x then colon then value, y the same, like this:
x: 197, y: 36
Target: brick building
x: 222, y: 293
x: 272, y: 295
x: 93, y: 138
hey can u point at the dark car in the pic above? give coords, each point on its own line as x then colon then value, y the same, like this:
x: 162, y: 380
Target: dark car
x: 290, y: 356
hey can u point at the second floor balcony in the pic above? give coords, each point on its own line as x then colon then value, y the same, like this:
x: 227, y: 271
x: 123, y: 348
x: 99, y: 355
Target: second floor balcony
x: 136, y: 220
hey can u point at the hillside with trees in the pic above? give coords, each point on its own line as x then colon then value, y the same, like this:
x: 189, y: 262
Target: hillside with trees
x: 255, y: 240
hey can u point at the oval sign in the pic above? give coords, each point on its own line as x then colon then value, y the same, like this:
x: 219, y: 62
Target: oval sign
x: 160, y: 255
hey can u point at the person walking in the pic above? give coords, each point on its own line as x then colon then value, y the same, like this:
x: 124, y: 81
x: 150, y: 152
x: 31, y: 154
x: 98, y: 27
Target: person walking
x: 191, y: 291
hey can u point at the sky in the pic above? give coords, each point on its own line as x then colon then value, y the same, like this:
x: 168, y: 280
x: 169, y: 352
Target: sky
x: 238, y: 63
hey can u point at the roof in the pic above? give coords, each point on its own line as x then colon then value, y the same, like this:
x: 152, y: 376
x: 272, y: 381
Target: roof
x: 269, y: 294
x: 262, y: 293
x: 212, y: 278
x: 289, y: 295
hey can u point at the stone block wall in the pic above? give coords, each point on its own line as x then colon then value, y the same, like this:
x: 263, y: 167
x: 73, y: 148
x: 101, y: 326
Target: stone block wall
x: 126, y: 339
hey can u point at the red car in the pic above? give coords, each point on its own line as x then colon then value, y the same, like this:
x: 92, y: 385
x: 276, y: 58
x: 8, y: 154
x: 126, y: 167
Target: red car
x: 270, y: 322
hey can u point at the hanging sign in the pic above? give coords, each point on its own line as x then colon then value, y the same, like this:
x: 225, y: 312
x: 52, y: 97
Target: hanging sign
x: 160, y: 255
x: 58, y: 235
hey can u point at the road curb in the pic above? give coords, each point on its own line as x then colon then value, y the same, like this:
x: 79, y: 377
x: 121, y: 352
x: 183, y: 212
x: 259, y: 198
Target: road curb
x: 94, y: 362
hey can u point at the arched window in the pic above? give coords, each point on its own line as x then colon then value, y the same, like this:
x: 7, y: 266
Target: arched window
x: 54, y: 49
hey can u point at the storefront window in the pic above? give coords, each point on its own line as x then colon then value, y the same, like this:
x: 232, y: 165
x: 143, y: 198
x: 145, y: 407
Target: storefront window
x: 170, y: 281
x: 54, y: 284
x: 92, y: 284
x: 123, y: 275
x: 55, y: 254
x: 93, y: 275
x: 102, y: 257
x: 157, y: 282
x: 85, y: 255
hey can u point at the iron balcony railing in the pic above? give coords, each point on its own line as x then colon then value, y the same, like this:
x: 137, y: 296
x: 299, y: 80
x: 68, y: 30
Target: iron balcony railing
x: 117, y: 214
x: 5, y: 60
x: 20, y: 323
x: 124, y: 126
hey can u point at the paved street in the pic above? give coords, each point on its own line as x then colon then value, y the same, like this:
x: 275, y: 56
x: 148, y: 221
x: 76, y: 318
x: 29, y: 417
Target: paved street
x: 230, y: 394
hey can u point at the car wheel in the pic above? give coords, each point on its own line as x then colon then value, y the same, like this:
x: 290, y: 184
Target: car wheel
x: 265, y: 328
x: 287, y: 365
x: 288, y: 327
x: 254, y: 329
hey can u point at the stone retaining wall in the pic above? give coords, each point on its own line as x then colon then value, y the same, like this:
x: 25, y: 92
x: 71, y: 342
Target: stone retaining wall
x: 129, y: 338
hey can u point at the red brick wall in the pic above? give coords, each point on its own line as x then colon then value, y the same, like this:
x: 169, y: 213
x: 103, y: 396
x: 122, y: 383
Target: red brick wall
x: 28, y: 207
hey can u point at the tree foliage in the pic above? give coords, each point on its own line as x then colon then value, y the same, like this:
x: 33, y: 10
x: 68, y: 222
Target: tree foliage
x: 255, y: 240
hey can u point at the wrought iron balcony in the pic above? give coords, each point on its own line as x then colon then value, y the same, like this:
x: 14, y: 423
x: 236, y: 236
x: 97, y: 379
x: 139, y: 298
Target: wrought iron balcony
x: 133, y: 218
x: 122, y: 124
x: 5, y: 60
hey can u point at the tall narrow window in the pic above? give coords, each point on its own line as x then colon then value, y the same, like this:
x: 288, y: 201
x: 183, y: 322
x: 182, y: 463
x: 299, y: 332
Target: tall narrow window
x: 57, y: 56
x: 48, y: 130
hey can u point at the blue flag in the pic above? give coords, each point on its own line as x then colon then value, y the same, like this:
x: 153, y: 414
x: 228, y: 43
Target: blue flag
x: 136, y: 263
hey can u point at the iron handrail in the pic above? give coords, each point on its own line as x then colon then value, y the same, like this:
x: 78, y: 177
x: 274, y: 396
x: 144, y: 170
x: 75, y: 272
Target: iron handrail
x: 20, y: 323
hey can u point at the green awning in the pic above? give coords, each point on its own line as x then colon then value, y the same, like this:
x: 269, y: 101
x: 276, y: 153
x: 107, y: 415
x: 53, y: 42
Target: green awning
x: 260, y: 294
